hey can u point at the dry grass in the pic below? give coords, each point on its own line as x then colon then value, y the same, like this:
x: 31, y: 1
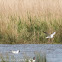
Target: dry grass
x: 21, y: 21
x: 36, y: 8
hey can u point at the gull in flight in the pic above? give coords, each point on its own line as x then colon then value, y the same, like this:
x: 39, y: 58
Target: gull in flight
x: 52, y: 35
x: 15, y: 52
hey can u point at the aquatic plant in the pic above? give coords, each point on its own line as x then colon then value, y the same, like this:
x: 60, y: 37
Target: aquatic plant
x: 40, y: 57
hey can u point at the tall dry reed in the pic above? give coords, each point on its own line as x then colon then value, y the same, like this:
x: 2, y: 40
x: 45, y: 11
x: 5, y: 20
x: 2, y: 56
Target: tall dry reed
x: 23, y: 21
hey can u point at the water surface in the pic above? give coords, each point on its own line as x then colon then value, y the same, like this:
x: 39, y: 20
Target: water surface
x: 53, y: 51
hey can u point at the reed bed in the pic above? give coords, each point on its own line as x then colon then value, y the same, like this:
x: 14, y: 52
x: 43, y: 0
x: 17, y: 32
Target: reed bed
x: 24, y: 21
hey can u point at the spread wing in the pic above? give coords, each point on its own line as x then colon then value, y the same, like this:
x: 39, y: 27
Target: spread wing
x: 46, y: 33
x: 53, y: 33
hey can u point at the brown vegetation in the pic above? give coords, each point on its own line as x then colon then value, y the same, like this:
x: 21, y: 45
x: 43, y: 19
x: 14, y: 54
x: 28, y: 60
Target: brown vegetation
x: 23, y: 21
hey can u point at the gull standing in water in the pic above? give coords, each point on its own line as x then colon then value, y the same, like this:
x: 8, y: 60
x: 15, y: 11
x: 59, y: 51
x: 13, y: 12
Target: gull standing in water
x: 15, y: 52
x: 50, y: 36
x: 32, y: 60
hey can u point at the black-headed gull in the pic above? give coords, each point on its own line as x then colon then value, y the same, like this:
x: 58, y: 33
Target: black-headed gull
x: 32, y: 60
x: 52, y: 35
x: 15, y: 52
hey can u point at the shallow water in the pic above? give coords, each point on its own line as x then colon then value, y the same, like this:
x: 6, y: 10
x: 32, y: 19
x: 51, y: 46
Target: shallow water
x: 53, y: 51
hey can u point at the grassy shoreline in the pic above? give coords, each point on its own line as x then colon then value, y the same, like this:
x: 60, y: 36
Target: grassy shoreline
x: 23, y: 22
x: 17, y: 31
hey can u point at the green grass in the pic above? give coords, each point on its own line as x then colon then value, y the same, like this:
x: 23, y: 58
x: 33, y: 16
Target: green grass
x: 40, y: 57
x: 27, y: 31
x: 23, y: 22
